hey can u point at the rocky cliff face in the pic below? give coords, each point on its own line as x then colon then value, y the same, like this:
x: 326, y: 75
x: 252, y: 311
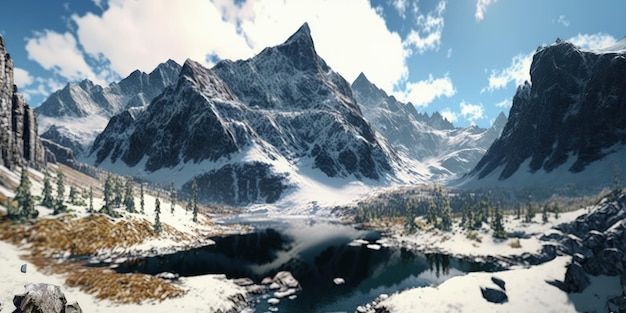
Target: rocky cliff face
x: 19, y: 141
x: 571, y: 117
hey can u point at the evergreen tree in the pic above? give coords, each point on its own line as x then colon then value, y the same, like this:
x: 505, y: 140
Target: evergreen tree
x: 90, y: 209
x: 446, y: 213
x: 25, y: 201
x: 141, y: 199
x: 129, y: 199
x: 60, y: 206
x: 107, y: 208
x: 556, y: 210
x: 544, y: 214
x: 530, y: 213
x: 157, y: 220
x: 172, y: 196
x: 431, y: 212
x: 118, y: 188
x: 73, y: 196
x: 194, y: 193
x: 497, y: 224
x: 48, y: 200
x: 465, y: 214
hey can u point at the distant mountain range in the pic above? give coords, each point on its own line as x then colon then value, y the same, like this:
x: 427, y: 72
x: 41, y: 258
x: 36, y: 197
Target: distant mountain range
x: 568, y: 126
x: 76, y: 114
x: 250, y: 130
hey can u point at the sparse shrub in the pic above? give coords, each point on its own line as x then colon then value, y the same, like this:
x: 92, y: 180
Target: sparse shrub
x: 472, y: 235
x: 515, y: 244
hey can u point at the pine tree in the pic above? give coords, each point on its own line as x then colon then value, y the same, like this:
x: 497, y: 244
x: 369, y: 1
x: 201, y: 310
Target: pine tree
x: 157, y: 220
x: 73, y: 196
x: 556, y: 210
x: 172, y: 196
x: 117, y: 192
x: 530, y: 214
x: 48, y: 200
x: 446, y: 213
x: 497, y: 224
x: 194, y: 193
x: 60, y: 206
x: 544, y: 214
x: 90, y: 209
x: 25, y: 202
x: 141, y: 199
x: 129, y: 199
x: 431, y: 212
x: 107, y: 208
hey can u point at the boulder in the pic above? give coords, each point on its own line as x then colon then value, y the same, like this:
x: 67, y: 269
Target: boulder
x: 40, y: 298
x: 73, y: 308
x: 286, y: 279
x: 594, y: 241
x: 606, y: 262
x: 576, y: 279
x: 494, y: 295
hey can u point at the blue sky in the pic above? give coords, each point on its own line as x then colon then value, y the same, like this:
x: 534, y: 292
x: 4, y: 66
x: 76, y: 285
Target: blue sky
x: 462, y: 58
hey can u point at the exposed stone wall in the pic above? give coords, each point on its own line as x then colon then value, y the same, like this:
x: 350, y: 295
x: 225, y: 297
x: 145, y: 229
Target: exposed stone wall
x: 19, y: 142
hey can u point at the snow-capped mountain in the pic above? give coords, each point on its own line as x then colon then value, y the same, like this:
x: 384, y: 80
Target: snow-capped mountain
x: 566, y: 127
x: 248, y: 130
x: 74, y: 115
x: 448, y: 152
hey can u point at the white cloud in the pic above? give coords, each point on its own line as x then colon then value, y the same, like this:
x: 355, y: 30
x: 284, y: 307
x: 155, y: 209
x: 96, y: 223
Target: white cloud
x: 593, y: 41
x: 481, y: 8
x: 60, y: 54
x: 400, y: 6
x: 449, y: 54
x: 472, y: 112
x: 517, y: 72
x: 140, y: 34
x: 504, y: 104
x: 423, y: 92
x: 449, y: 115
x: 427, y: 35
x: 21, y: 77
x: 562, y: 20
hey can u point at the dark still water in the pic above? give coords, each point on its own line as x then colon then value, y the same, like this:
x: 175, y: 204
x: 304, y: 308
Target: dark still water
x: 315, y: 253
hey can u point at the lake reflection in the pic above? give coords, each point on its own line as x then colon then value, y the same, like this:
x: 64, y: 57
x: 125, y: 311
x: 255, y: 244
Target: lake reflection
x: 315, y: 252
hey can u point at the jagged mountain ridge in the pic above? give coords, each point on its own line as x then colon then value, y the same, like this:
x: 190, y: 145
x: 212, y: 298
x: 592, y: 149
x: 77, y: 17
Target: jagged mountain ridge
x: 74, y: 115
x: 245, y: 130
x: 567, y: 126
x: 449, y: 152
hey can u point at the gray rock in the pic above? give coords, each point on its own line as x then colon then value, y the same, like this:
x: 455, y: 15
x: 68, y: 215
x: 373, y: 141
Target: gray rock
x: 73, y: 308
x: 494, y: 295
x: 499, y: 282
x: 606, y: 262
x: 23, y: 268
x: 594, y: 241
x: 576, y: 279
x: 40, y: 298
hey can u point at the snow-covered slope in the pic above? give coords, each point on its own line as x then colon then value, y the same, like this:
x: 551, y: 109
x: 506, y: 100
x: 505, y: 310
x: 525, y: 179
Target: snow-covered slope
x: 247, y: 131
x: 74, y: 115
x: 568, y: 126
x: 448, y: 152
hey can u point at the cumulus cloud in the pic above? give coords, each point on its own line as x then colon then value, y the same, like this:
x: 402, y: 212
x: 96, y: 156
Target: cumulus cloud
x: 449, y: 115
x: 472, y: 112
x: 593, y: 41
x: 21, y: 77
x: 423, y: 92
x: 427, y: 35
x: 140, y: 34
x: 517, y: 73
x: 481, y: 8
x: 59, y: 53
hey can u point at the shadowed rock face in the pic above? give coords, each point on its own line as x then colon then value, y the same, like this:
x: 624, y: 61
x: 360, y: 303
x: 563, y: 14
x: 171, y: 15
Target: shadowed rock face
x: 43, y: 298
x: 19, y: 142
x: 573, y: 109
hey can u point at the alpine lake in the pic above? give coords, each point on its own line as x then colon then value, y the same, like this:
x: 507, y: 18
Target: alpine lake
x: 338, y: 266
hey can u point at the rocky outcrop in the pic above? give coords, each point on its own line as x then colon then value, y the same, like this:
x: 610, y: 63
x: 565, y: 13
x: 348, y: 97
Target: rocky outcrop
x: 40, y: 298
x: 568, y: 118
x: 19, y: 141
x: 58, y: 153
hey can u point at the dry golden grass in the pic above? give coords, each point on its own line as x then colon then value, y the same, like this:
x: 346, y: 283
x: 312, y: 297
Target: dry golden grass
x: 515, y: 244
x: 86, y: 236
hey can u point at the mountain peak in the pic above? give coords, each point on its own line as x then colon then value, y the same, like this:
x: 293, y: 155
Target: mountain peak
x: 302, y: 38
